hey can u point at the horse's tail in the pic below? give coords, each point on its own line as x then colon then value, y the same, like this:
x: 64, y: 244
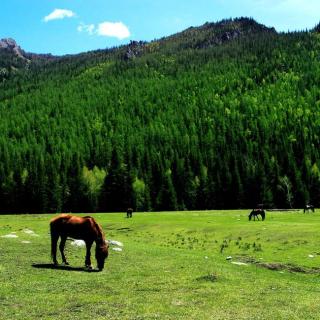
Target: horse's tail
x: 250, y: 216
x: 55, y: 229
x: 56, y: 222
x: 263, y: 215
x: 54, y: 237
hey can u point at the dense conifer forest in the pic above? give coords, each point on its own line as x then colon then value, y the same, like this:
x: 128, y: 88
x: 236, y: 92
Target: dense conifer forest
x: 226, y: 115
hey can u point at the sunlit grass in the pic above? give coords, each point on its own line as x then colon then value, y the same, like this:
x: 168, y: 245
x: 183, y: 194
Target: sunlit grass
x: 173, y: 266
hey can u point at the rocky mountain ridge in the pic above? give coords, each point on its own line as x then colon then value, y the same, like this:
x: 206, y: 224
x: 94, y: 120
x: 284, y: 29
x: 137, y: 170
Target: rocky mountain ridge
x: 209, y: 34
x: 11, y: 45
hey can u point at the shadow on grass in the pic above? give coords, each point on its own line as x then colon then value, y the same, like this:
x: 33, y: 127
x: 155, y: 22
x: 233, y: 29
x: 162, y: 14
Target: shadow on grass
x: 124, y: 229
x: 209, y: 277
x: 61, y: 267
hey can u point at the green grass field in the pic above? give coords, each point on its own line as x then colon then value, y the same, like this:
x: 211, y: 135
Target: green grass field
x: 173, y: 266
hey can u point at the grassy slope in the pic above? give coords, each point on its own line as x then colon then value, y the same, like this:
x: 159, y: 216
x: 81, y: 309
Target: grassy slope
x: 171, y: 268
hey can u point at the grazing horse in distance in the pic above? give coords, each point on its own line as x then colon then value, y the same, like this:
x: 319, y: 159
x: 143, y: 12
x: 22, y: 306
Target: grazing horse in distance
x: 255, y: 212
x: 129, y: 212
x: 84, y: 228
x: 308, y: 207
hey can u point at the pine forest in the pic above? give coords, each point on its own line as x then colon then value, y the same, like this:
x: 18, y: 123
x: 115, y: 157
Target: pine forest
x: 222, y: 116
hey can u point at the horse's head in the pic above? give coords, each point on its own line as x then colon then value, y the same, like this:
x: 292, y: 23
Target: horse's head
x: 102, y: 252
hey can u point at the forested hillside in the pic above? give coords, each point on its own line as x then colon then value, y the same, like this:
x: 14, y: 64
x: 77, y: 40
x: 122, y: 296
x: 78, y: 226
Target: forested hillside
x: 226, y: 115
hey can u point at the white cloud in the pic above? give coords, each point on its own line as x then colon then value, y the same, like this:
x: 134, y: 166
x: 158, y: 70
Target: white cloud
x: 113, y: 29
x: 59, y: 14
x: 89, y: 28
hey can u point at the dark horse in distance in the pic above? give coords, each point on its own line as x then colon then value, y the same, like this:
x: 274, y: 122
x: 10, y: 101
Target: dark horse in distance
x: 255, y: 213
x: 129, y: 212
x: 86, y: 229
x: 308, y: 207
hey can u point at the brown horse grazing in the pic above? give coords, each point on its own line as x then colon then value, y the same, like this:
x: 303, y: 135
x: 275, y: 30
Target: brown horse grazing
x: 86, y: 228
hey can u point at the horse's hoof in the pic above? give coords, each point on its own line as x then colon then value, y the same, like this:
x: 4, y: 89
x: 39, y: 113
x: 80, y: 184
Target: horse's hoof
x: 88, y: 267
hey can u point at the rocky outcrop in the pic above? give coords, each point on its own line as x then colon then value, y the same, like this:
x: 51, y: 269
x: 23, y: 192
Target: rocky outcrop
x: 134, y: 49
x: 11, y: 45
x: 217, y: 33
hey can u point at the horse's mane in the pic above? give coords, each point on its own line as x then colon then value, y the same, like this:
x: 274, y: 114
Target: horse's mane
x: 99, y: 230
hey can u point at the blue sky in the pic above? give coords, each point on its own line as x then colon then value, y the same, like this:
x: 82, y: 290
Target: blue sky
x: 72, y: 26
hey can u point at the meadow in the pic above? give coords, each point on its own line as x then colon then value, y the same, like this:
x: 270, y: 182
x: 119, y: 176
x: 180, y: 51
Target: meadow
x: 174, y: 265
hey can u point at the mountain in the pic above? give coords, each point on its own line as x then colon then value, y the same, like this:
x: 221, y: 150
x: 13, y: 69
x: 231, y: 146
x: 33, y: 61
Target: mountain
x: 213, y: 34
x: 225, y: 115
x: 210, y: 34
x: 13, y: 58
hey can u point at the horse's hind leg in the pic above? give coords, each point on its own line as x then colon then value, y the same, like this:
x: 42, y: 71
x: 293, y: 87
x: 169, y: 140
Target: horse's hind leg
x: 54, y: 241
x: 61, y: 247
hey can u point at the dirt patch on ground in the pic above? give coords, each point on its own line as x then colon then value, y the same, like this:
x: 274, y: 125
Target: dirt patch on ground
x: 274, y: 266
x: 288, y: 267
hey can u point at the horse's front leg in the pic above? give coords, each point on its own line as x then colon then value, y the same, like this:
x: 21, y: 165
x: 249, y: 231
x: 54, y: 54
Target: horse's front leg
x: 61, y: 247
x: 88, y: 254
